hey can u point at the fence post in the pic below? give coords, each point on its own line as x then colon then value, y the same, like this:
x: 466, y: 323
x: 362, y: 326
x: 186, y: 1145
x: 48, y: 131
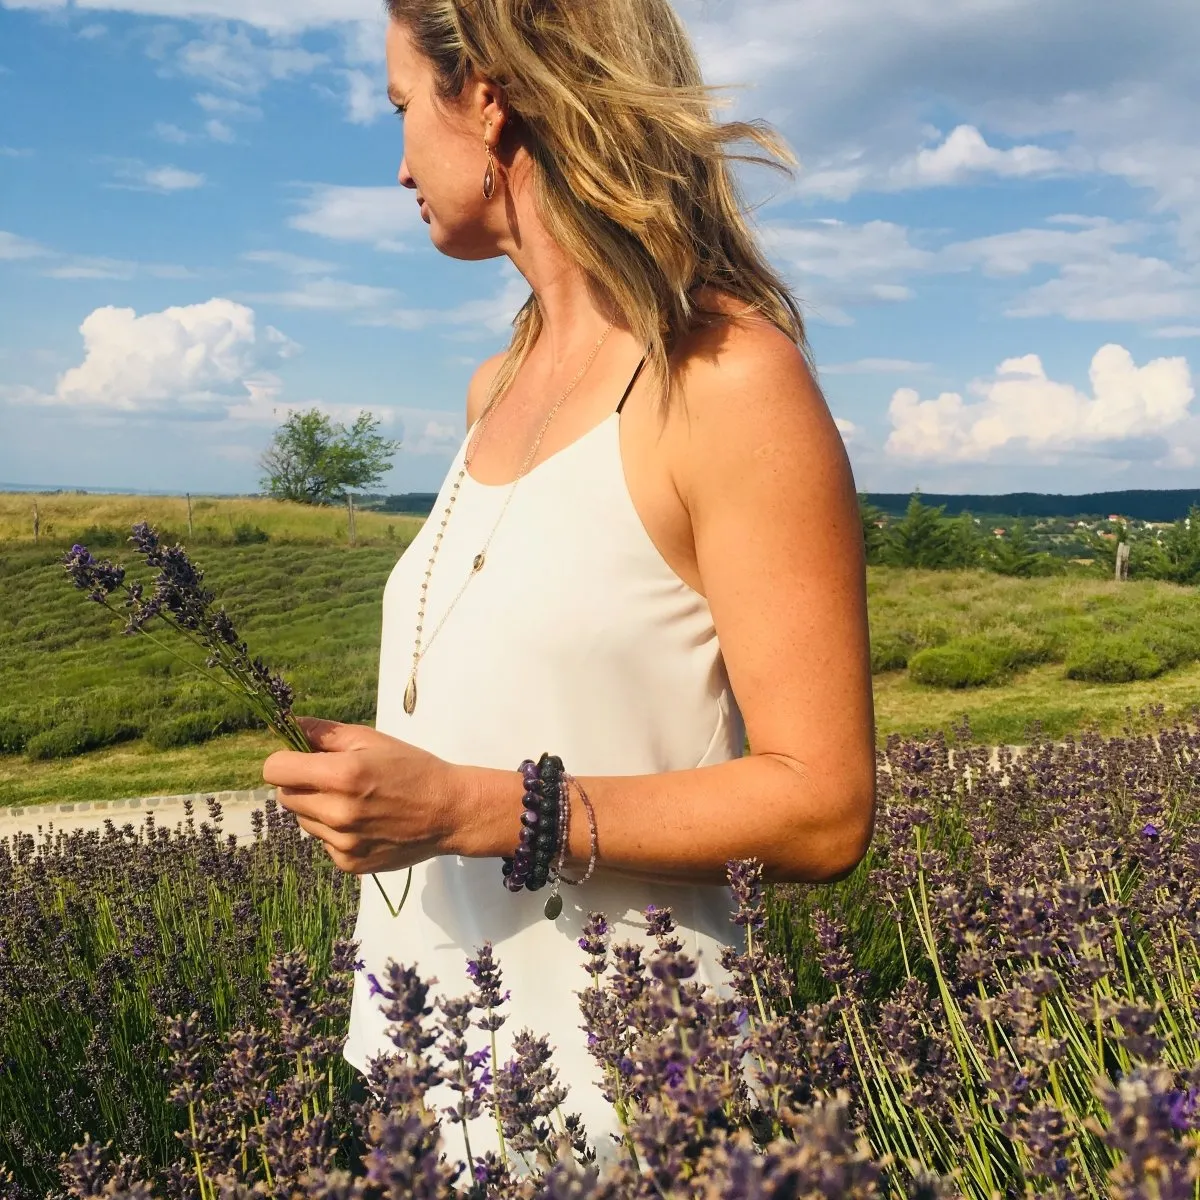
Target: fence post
x: 353, y: 529
x: 37, y: 523
x: 1122, y: 562
x: 189, y: 500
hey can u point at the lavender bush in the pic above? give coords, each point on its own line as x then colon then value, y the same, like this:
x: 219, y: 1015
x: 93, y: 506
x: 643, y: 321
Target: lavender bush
x: 1005, y: 1005
x: 106, y: 935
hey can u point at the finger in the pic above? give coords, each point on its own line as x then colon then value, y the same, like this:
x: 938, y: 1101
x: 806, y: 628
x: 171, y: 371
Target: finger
x: 343, y: 843
x: 336, y: 736
x: 333, y: 812
x: 306, y: 772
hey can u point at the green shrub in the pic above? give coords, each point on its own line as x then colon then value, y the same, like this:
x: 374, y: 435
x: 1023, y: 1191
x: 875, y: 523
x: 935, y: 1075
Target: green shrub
x: 1173, y: 645
x: 189, y: 729
x: 968, y: 662
x: 192, y: 728
x: 101, y: 536
x: 1019, y: 647
x: 1114, y: 659
x: 81, y: 734
x: 248, y: 535
x: 891, y: 651
x: 14, y: 731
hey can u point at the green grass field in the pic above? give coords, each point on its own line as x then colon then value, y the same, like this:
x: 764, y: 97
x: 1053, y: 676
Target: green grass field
x: 66, y: 516
x: 88, y: 714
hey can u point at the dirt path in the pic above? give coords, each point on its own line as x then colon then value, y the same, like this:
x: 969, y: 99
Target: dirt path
x: 168, y: 811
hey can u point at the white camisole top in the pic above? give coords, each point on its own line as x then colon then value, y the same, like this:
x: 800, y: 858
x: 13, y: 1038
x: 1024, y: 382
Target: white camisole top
x: 576, y: 639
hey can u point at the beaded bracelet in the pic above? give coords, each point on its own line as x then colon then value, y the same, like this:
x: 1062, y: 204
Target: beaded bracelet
x: 529, y: 864
x: 545, y: 832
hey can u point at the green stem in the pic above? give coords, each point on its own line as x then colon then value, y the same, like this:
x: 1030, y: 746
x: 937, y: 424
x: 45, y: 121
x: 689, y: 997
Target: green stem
x: 496, y: 1102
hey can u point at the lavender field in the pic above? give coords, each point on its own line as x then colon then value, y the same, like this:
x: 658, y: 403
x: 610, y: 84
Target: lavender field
x: 1001, y: 1001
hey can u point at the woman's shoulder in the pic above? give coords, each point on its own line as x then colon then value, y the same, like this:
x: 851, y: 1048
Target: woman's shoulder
x: 481, y: 382
x: 733, y: 344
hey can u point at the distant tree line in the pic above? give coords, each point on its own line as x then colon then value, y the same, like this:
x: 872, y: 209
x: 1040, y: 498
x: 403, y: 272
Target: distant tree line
x: 1166, y: 504
x: 926, y: 537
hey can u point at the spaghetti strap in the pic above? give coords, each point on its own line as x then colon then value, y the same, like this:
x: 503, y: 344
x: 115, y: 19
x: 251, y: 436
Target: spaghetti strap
x: 633, y: 381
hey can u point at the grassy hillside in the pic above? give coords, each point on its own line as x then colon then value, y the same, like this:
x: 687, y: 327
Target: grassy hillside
x: 88, y: 714
x: 67, y: 517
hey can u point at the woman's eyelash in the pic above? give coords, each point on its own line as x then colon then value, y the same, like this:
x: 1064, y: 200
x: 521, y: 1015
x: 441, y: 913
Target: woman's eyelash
x: 400, y: 109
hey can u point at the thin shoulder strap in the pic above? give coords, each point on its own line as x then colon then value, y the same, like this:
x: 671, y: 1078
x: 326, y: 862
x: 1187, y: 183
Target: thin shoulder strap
x: 633, y: 381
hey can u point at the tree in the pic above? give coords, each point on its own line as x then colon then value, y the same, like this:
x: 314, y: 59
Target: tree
x: 1177, y: 556
x: 314, y: 461
x: 920, y: 538
x: 964, y: 545
x: 1014, y: 554
x: 873, y: 522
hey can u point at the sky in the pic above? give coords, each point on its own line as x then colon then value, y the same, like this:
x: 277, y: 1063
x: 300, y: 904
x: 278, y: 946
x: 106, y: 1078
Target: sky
x: 994, y: 231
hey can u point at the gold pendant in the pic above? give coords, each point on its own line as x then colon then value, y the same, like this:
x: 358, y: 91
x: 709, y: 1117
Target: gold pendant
x: 410, y: 695
x: 478, y: 564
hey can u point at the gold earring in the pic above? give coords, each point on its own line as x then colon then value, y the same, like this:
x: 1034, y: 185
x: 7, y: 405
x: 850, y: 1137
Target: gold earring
x: 489, y: 176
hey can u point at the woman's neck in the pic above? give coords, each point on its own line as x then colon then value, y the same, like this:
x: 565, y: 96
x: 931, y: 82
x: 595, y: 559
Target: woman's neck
x: 573, y: 317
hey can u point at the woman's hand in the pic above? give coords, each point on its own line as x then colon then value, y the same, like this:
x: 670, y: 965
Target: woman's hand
x: 376, y: 802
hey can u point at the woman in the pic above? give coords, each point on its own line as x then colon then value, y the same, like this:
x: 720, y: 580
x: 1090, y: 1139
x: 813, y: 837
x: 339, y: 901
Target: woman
x: 647, y: 547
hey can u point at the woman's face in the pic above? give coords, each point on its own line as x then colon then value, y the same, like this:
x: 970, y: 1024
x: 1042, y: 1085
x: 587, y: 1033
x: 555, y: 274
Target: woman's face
x: 444, y: 157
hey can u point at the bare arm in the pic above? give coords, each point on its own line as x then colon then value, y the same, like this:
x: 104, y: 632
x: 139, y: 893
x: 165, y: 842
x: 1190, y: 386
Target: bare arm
x: 765, y: 478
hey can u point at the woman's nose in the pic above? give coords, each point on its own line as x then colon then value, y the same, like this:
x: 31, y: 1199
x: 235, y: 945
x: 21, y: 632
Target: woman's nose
x: 404, y: 176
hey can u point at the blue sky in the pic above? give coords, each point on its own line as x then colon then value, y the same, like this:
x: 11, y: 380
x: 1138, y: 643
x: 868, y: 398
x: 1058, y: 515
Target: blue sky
x: 995, y: 231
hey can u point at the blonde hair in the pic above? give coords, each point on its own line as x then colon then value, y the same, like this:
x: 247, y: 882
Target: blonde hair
x: 633, y: 176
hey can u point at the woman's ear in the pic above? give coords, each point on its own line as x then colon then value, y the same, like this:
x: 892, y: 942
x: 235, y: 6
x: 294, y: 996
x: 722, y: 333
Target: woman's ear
x: 493, y: 110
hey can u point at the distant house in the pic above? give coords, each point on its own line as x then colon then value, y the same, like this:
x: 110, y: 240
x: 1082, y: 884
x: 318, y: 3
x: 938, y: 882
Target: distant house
x: 998, y: 532
x: 1114, y: 519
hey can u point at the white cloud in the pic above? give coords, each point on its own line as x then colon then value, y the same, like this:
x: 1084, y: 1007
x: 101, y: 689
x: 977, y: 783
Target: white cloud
x: 294, y: 264
x: 488, y: 315
x: 278, y: 16
x: 265, y: 406
x: 835, y: 263
x: 1178, y: 331
x: 328, y: 294
x: 432, y: 433
x: 1083, y: 240
x: 138, y: 177
x: 226, y: 106
x: 218, y: 131
x: 91, y: 32
x: 1022, y: 409
x: 380, y: 216
x: 172, y: 179
x: 180, y: 358
x: 63, y: 266
x: 965, y: 155
x: 846, y: 428
x: 877, y: 366
x: 15, y: 152
x: 231, y: 58
x: 1099, y: 276
x: 168, y: 132
x: 366, y: 97
x: 114, y: 268
x: 1122, y: 287
x: 14, y: 247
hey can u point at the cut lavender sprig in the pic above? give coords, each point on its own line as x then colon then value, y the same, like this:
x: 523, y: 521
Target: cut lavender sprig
x: 181, y: 602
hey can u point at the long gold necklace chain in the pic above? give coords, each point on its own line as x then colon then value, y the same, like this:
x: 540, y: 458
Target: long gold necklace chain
x: 410, y: 692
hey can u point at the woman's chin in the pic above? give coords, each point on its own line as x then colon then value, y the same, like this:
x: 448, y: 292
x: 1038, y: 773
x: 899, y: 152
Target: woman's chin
x: 462, y: 244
